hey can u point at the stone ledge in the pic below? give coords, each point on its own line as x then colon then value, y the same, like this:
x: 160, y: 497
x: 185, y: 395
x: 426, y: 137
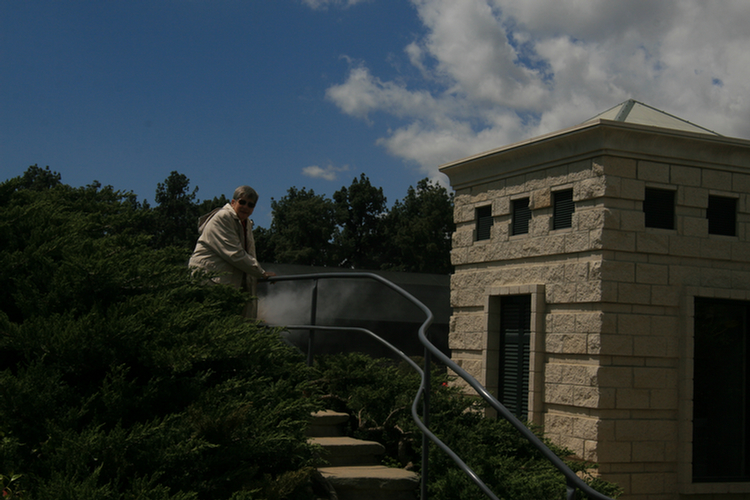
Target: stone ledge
x: 372, y: 482
x: 349, y: 451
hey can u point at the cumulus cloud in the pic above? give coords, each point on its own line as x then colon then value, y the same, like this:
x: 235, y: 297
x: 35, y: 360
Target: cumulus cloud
x: 329, y: 173
x: 498, y: 71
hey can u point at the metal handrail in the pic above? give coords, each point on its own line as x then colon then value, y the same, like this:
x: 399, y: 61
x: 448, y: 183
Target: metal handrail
x: 572, y: 480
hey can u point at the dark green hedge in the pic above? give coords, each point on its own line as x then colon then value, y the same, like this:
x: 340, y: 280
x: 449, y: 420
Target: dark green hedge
x: 378, y: 393
x: 121, y: 376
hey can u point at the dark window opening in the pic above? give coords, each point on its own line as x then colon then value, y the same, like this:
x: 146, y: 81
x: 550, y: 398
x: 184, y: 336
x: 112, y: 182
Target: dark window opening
x: 521, y: 216
x: 721, y: 404
x: 484, y: 223
x: 722, y: 215
x: 658, y: 207
x: 515, y: 335
x: 562, y: 209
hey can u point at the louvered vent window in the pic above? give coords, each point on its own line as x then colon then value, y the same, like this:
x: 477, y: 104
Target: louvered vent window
x: 515, y: 330
x: 484, y: 222
x: 521, y: 216
x: 722, y: 215
x: 562, y: 209
x: 658, y: 208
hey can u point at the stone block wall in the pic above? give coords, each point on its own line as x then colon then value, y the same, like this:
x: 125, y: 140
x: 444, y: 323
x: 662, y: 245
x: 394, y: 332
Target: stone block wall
x: 651, y: 277
x: 565, y: 267
x: 612, y: 333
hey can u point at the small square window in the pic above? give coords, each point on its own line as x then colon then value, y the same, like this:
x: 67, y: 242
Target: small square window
x: 722, y: 215
x: 521, y: 216
x: 658, y: 208
x: 484, y: 222
x: 562, y: 209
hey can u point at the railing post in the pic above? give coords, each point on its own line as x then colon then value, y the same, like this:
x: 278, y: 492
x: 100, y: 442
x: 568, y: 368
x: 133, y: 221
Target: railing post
x: 570, y: 491
x: 313, y: 320
x: 426, y: 420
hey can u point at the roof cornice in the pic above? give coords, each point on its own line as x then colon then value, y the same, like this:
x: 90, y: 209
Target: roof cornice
x: 596, y: 138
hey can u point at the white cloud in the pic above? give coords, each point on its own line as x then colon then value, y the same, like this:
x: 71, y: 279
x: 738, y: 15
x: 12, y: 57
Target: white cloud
x: 362, y: 94
x: 329, y: 173
x: 498, y: 71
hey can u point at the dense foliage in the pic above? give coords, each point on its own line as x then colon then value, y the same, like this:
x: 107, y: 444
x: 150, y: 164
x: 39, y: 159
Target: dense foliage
x: 418, y: 231
x: 356, y: 229
x: 379, y: 394
x: 359, y: 211
x: 121, y: 376
x: 301, y: 231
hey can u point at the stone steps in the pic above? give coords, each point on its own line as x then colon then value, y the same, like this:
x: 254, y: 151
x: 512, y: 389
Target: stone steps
x: 354, y: 472
x: 327, y: 423
x: 342, y: 451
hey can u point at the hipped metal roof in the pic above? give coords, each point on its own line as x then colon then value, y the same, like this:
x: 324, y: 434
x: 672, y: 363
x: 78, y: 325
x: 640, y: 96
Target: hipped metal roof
x: 632, y: 111
x: 626, y: 129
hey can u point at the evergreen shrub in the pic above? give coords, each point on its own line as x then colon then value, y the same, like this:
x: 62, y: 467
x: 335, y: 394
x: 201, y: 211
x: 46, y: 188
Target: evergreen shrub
x: 379, y: 393
x: 123, y: 376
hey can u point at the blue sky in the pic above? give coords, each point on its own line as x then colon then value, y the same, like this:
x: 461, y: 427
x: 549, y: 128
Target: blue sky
x: 312, y: 93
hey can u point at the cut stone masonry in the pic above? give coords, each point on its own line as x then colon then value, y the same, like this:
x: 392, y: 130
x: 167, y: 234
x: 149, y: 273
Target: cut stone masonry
x: 612, y: 322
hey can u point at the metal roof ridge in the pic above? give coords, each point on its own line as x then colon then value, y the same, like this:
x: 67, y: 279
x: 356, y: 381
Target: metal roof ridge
x: 627, y: 106
x: 626, y: 109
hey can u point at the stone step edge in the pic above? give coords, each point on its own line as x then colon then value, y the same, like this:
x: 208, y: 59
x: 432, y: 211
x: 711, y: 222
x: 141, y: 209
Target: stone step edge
x: 329, y: 417
x: 347, y: 445
x: 371, y: 477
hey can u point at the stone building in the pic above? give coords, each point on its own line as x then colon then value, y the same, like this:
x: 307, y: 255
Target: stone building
x: 602, y: 290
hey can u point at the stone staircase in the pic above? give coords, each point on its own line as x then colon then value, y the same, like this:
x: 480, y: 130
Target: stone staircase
x: 353, y: 471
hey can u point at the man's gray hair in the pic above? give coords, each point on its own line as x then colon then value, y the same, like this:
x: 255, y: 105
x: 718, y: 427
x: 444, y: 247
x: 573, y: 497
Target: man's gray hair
x: 245, y: 192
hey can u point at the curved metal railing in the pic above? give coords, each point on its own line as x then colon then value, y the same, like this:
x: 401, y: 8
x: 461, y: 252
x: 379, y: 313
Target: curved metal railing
x: 423, y: 394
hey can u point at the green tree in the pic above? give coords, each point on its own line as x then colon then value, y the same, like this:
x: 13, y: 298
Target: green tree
x: 301, y: 231
x: 122, y: 375
x: 206, y: 206
x: 39, y: 179
x: 357, y: 230
x: 360, y: 209
x: 263, y: 248
x: 418, y: 230
x: 176, y: 213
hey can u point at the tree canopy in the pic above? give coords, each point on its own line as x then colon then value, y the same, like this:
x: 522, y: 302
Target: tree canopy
x: 419, y: 229
x: 175, y: 213
x: 353, y: 229
x: 301, y: 231
x: 357, y: 230
x: 359, y: 211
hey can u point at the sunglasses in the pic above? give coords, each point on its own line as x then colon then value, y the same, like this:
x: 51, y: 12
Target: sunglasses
x: 245, y: 202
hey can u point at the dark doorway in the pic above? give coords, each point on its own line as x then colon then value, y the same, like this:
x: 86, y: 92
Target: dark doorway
x: 721, y: 427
